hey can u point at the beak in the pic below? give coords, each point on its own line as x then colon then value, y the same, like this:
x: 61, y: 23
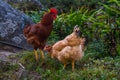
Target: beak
x: 79, y: 33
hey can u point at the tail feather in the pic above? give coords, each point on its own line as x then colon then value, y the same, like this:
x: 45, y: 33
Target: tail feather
x: 26, y: 30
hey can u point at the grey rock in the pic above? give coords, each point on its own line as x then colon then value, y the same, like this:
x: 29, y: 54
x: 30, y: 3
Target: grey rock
x: 26, y: 4
x: 12, y: 23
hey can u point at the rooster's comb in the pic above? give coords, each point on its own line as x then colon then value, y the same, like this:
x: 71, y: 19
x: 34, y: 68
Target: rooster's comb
x: 53, y: 10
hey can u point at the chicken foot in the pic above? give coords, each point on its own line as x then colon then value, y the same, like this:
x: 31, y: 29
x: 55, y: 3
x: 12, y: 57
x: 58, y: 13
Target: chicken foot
x: 36, y: 55
x: 64, y: 66
x: 73, y: 63
x: 42, y: 54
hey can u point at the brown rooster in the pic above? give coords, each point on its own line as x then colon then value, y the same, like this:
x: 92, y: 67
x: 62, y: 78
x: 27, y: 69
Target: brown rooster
x: 37, y: 34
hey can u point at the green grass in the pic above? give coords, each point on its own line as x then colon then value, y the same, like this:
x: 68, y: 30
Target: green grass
x: 89, y: 68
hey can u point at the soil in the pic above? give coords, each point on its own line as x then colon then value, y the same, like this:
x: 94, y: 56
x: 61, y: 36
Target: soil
x: 6, y: 50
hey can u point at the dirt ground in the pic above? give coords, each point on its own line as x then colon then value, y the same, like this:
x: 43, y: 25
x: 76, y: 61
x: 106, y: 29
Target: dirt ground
x: 6, y: 50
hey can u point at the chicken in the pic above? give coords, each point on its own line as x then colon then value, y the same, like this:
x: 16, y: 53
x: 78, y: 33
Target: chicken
x: 72, y: 53
x: 69, y: 49
x: 71, y: 40
x: 37, y: 34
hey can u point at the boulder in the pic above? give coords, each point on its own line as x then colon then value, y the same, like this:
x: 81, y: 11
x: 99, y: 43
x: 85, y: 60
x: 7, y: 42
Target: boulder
x: 26, y: 5
x: 12, y: 23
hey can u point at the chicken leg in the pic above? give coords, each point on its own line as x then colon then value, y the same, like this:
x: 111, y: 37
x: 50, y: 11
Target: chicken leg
x: 36, y: 55
x: 64, y: 66
x: 73, y: 63
x: 42, y: 54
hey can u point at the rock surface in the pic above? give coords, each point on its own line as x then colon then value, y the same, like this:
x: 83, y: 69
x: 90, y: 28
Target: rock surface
x: 12, y: 23
x: 26, y: 5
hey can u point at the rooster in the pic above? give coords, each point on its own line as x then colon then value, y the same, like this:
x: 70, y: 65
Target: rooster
x: 69, y: 49
x: 37, y: 34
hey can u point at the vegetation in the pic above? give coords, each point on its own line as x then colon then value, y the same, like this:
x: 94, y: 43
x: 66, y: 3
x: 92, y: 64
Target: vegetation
x: 99, y: 22
x: 100, y: 25
x: 90, y: 67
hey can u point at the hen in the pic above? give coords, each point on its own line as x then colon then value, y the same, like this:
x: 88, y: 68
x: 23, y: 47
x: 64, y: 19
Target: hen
x: 37, y: 34
x: 69, y: 49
